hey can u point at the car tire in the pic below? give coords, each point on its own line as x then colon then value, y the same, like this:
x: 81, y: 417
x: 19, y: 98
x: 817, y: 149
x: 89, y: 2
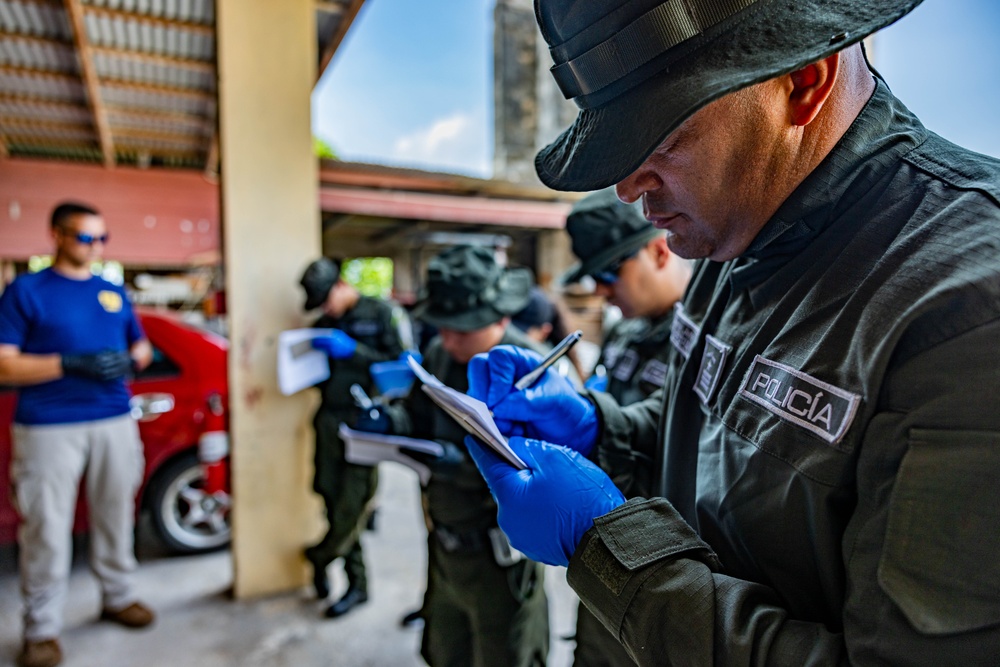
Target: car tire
x: 187, y: 519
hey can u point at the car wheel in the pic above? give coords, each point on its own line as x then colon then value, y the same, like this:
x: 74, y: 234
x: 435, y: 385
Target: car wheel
x: 188, y: 519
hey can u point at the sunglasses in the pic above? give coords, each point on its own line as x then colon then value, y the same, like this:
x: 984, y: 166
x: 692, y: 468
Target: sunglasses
x: 609, y: 276
x: 90, y: 239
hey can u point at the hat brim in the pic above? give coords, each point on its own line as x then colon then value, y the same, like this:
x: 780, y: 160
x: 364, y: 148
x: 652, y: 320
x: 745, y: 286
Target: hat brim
x: 607, y: 143
x: 313, y: 302
x: 510, y: 301
x: 606, y: 258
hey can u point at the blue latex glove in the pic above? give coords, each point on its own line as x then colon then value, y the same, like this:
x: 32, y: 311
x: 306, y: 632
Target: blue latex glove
x: 551, y: 409
x: 411, y: 353
x: 373, y: 420
x: 546, y: 508
x: 596, y: 383
x: 338, y: 344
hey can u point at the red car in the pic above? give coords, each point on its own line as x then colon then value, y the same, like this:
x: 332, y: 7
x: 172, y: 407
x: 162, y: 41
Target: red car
x: 181, y: 402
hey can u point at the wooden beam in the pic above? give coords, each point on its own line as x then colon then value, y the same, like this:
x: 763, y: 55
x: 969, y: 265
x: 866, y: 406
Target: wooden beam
x: 74, y: 10
x: 198, y: 28
x: 203, y: 66
x: 3, y: 147
x: 346, y: 19
x: 329, y: 6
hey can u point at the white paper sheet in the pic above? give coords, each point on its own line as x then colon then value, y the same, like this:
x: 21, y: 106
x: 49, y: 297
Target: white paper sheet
x: 299, y: 364
x: 470, y: 413
x: 370, y: 449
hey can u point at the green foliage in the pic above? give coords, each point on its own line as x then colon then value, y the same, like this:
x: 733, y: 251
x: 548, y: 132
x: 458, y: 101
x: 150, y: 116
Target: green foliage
x: 323, y: 150
x: 371, y: 275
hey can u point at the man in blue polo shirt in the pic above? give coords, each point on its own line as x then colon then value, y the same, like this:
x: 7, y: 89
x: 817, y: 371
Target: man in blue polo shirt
x: 68, y: 339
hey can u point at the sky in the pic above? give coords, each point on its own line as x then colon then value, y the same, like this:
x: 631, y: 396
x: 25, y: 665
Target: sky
x: 412, y: 83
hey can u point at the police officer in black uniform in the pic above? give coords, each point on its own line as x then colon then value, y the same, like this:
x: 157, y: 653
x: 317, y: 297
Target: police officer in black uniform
x: 364, y: 330
x: 634, y: 270
x: 484, y: 604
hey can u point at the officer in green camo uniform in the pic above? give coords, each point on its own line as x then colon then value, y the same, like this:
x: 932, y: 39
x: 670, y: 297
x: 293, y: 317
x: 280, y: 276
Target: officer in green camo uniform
x: 634, y: 270
x: 365, y: 330
x: 484, y: 606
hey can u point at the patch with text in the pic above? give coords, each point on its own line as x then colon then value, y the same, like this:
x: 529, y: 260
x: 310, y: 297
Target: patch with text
x: 713, y: 361
x: 800, y: 399
x: 683, y: 332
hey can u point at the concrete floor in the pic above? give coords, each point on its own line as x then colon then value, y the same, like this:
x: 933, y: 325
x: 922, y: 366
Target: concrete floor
x: 199, y: 624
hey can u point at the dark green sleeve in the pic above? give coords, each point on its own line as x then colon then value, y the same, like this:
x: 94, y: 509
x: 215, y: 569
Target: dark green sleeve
x: 922, y: 576
x: 628, y: 441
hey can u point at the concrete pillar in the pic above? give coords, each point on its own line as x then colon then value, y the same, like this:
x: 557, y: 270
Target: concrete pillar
x: 515, y: 69
x: 267, y: 66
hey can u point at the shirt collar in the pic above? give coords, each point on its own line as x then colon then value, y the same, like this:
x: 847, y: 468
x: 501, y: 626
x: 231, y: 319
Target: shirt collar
x: 883, y: 132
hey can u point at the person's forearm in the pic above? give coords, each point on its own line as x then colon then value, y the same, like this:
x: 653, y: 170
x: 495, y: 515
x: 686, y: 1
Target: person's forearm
x: 141, y: 353
x: 27, y: 369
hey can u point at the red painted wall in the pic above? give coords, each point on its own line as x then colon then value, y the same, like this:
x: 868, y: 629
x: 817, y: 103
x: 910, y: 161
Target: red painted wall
x: 156, y: 217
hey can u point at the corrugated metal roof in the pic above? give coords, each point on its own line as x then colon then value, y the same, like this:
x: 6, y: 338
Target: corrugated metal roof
x: 154, y: 77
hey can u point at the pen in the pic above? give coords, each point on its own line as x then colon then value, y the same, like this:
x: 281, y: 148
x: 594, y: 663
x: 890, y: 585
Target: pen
x: 557, y: 353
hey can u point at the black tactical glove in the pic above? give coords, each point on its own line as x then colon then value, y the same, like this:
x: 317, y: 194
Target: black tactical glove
x: 104, y: 366
x: 444, y: 467
x: 373, y: 420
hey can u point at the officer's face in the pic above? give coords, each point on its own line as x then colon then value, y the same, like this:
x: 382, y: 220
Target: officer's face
x: 630, y: 292
x: 80, y: 240
x: 463, y: 345
x: 338, y: 301
x: 711, y: 184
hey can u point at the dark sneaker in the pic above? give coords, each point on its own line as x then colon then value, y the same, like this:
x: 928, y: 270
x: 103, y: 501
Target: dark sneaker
x: 136, y: 615
x: 320, y: 580
x: 40, y: 653
x: 352, y: 598
x: 412, y: 619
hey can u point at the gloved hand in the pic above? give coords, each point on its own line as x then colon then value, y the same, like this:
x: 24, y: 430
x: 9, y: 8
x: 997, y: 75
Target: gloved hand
x: 546, y: 508
x: 444, y: 467
x: 338, y: 344
x: 550, y: 409
x: 411, y: 353
x: 373, y: 420
x: 598, y: 381
x: 105, y: 366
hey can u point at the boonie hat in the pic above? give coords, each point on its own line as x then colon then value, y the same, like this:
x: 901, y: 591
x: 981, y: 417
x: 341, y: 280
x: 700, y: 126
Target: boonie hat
x: 603, y: 231
x: 467, y: 290
x: 318, y: 279
x: 638, y: 69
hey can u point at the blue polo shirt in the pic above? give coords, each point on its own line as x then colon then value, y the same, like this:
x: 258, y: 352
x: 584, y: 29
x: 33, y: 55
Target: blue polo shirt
x: 46, y: 313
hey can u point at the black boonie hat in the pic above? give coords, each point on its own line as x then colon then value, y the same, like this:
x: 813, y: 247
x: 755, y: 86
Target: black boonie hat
x: 467, y: 290
x: 318, y: 279
x: 638, y: 69
x: 604, y: 231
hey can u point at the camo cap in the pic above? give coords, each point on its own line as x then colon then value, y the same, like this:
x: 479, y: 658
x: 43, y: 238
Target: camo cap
x: 467, y: 290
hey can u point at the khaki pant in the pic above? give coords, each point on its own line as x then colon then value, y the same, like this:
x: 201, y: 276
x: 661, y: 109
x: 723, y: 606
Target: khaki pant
x: 48, y: 464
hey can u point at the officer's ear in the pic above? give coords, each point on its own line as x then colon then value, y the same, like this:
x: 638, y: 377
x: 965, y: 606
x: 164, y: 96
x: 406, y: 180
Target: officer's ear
x: 659, y: 251
x: 809, y: 88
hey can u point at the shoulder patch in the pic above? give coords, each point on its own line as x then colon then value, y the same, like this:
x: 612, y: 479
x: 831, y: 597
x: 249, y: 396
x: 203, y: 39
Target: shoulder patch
x: 654, y: 372
x: 800, y: 399
x: 683, y: 332
x: 713, y: 361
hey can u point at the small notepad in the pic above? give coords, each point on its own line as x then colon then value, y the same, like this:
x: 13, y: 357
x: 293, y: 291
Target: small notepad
x: 470, y: 413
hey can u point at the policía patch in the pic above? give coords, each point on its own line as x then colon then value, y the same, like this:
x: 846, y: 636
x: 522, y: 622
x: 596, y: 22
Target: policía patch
x: 713, y: 361
x: 800, y: 399
x: 110, y: 301
x: 683, y: 332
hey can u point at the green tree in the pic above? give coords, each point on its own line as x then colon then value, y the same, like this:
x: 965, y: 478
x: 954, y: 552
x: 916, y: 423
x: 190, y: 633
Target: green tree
x: 371, y: 275
x: 323, y: 150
